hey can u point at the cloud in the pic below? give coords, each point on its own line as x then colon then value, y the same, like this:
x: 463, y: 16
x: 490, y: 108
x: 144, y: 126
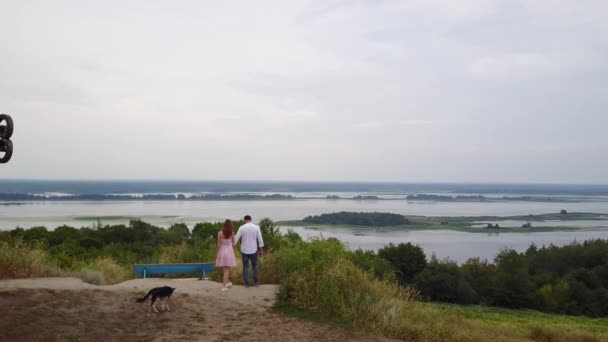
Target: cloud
x: 513, y: 66
x: 218, y: 84
x: 418, y: 122
x: 368, y: 124
x: 291, y: 117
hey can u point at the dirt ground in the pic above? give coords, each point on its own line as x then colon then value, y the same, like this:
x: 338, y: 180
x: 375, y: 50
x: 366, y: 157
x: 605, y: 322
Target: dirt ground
x: 65, y: 309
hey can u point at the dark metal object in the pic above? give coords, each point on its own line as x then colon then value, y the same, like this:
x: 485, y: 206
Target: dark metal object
x: 6, y: 132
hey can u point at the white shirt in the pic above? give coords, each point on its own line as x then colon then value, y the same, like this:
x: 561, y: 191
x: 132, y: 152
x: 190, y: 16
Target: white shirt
x: 250, y: 236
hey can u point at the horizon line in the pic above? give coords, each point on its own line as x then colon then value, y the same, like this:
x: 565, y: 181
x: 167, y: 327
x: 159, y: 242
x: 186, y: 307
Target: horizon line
x: 173, y: 180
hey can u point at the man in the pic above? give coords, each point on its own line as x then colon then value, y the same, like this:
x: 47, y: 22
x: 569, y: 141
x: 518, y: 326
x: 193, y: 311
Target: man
x: 250, y: 236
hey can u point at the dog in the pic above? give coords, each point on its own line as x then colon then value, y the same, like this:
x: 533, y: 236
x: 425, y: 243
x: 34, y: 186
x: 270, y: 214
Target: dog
x: 163, y: 293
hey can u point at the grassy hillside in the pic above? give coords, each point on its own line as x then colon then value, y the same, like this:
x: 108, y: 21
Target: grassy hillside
x: 322, y: 279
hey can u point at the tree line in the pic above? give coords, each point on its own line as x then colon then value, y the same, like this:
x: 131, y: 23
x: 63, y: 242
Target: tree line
x: 571, y: 279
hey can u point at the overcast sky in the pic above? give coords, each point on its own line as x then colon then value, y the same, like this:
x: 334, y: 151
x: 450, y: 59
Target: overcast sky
x: 488, y: 91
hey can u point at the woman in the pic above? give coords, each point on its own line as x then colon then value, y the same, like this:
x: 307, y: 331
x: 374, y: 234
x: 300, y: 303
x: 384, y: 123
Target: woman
x: 224, y: 253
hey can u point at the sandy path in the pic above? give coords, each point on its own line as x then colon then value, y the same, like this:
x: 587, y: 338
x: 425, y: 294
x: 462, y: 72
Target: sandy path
x: 262, y: 296
x: 67, y: 309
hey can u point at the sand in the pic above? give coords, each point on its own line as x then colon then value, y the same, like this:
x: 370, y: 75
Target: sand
x: 60, y: 309
x: 262, y: 296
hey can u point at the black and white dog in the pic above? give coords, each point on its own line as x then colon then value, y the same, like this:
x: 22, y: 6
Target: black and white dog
x: 162, y: 293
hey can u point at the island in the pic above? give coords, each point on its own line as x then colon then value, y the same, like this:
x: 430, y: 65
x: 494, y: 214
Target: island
x: 473, y: 224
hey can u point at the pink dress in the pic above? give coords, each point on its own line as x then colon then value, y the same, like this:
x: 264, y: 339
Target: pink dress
x: 225, y: 255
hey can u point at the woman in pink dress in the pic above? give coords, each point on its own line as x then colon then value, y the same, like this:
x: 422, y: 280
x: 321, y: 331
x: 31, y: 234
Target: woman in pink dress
x: 224, y: 253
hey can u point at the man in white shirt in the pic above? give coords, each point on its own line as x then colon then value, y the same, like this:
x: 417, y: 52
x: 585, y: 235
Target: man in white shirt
x: 250, y: 236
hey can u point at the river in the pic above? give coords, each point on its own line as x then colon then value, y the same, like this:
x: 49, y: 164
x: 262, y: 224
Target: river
x: 456, y: 245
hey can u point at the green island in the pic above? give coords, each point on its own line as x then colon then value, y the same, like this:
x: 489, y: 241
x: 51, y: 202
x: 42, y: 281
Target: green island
x: 390, y: 221
x: 542, y: 294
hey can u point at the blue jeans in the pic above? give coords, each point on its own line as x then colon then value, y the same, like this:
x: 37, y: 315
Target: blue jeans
x: 254, y: 264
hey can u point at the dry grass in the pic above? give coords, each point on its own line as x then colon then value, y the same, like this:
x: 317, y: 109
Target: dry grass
x: 104, y: 271
x: 24, y: 261
x: 343, y: 292
x: 267, y: 273
x: 549, y: 334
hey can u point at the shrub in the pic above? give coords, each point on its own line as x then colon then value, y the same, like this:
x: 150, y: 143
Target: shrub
x: 443, y: 281
x: 104, y: 271
x: 24, y: 260
x: 92, y: 277
x: 270, y: 233
x: 408, y: 260
x: 372, y: 263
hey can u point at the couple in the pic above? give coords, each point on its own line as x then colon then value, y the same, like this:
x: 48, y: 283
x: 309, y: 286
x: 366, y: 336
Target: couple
x: 250, y: 236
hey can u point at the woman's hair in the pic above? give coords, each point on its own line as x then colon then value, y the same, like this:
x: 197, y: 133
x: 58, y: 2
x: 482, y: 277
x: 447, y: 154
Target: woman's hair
x: 227, y: 229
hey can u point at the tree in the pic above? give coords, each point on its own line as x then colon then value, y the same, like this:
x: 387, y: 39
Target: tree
x: 513, y: 285
x: 206, y: 230
x: 371, y: 262
x: 443, y: 281
x: 407, y: 259
x: 481, y: 275
x: 270, y: 233
x: 374, y: 219
x: 180, y: 232
x: 36, y: 234
x: 61, y: 234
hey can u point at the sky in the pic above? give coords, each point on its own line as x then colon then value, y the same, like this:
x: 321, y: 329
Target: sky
x: 416, y: 91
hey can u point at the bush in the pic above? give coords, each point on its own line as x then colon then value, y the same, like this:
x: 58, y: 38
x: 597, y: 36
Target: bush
x: 24, y: 260
x: 372, y: 263
x: 270, y: 234
x: 341, y: 290
x: 104, y: 271
x: 92, y: 277
x: 408, y: 260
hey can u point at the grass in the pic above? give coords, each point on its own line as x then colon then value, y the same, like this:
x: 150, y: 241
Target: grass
x: 28, y: 260
x: 293, y: 311
x: 24, y: 261
x: 524, y: 321
x: 487, y: 323
x: 104, y: 271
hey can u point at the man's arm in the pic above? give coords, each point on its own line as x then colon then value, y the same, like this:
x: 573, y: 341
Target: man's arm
x: 237, y: 237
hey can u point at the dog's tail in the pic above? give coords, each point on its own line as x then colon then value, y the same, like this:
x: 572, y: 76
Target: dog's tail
x: 143, y: 299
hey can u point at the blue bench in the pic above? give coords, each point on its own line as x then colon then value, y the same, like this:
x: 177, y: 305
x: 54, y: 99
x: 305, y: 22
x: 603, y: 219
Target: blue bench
x: 159, y: 269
